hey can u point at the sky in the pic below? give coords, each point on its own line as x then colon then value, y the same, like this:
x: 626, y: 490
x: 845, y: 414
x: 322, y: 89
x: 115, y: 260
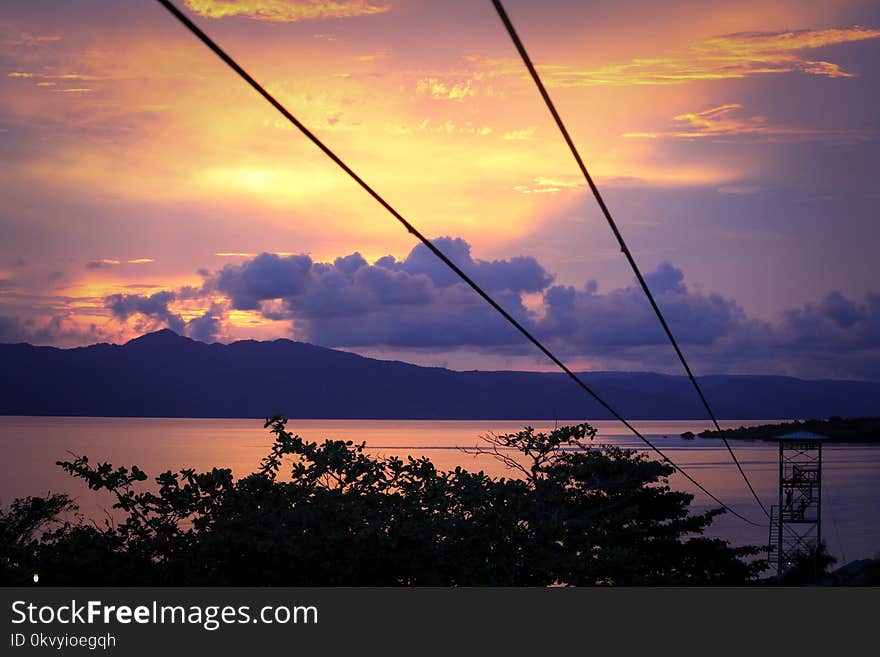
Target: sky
x: 146, y: 186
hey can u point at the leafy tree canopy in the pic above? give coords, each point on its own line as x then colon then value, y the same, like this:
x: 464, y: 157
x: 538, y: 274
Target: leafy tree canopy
x: 334, y: 514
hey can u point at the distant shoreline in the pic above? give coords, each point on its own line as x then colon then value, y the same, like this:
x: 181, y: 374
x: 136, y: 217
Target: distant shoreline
x: 756, y: 429
x: 835, y: 429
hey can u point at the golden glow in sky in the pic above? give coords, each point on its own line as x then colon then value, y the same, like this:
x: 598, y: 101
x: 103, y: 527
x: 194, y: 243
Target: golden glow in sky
x: 133, y: 158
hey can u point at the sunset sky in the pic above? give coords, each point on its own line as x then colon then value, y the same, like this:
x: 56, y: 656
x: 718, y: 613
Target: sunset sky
x: 145, y: 185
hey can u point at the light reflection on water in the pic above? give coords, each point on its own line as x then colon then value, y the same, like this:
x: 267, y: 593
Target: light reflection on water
x: 31, y: 446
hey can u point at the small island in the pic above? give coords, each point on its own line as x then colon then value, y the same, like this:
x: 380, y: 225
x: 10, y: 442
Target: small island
x: 849, y: 430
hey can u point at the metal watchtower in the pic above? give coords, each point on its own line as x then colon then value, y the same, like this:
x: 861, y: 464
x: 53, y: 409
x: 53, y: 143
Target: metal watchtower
x: 796, y: 521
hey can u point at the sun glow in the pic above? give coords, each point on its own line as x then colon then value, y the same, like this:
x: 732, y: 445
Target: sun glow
x: 134, y: 165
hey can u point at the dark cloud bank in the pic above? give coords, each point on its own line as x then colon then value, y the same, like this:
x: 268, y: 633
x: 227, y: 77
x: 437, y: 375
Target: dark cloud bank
x: 417, y: 303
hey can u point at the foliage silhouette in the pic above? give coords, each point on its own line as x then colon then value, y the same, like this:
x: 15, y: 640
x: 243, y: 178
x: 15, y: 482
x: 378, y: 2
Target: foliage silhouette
x: 854, y: 429
x: 575, y: 514
x: 809, y: 566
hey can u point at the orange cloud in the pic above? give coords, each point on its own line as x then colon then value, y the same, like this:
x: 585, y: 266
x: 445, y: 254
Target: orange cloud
x: 47, y: 76
x: 440, y: 90
x: 51, y: 80
x: 721, y: 121
x: 546, y: 185
x: 287, y: 11
x: 519, y: 135
x: 100, y: 263
x: 24, y: 39
x: 718, y: 58
x: 103, y: 263
x: 646, y: 176
x: 748, y: 43
x: 447, y: 127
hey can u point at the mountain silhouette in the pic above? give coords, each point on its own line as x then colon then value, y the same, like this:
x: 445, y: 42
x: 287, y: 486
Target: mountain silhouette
x: 163, y: 374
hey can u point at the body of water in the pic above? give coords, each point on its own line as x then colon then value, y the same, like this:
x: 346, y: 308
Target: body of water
x: 32, y: 445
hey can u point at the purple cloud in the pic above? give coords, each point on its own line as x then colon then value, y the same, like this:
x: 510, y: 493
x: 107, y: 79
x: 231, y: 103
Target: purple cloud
x: 416, y: 304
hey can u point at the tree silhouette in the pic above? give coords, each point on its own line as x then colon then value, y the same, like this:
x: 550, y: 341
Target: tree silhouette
x: 333, y: 514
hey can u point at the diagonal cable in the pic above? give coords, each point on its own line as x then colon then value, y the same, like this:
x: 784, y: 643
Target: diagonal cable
x: 502, y: 13
x: 217, y: 50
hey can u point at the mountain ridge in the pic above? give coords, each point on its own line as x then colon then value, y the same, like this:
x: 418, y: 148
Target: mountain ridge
x: 163, y: 374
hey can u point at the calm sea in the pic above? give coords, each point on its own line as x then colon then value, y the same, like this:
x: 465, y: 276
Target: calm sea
x: 32, y: 445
